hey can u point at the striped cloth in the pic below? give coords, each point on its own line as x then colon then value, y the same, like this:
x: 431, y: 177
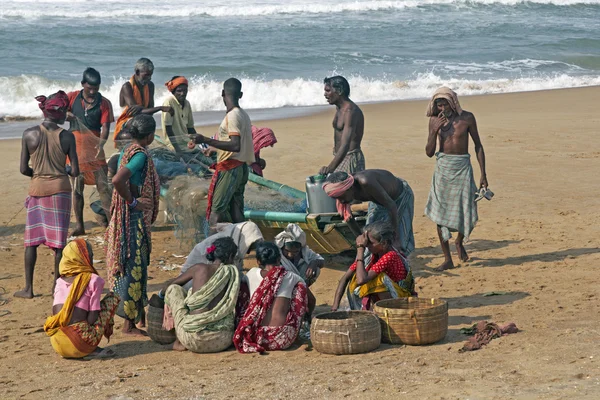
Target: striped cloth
x: 353, y: 162
x: 405, y: 206
x: 47, y: 220
x: 451, y: 203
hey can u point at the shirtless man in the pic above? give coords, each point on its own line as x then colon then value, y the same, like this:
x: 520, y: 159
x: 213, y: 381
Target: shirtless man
x: 451, y: 204
x: 137, y: 95
x: 348, y: 128
x: 390, y: 199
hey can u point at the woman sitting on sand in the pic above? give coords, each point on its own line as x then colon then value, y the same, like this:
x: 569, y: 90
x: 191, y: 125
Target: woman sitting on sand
x: 381, y: 273
x: 79, y: 318
x: 278, y: 303
x: 134, y: 209
x: 203, y: 317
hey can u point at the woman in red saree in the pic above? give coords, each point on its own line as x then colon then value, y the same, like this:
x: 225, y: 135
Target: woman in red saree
x: 277, y: 305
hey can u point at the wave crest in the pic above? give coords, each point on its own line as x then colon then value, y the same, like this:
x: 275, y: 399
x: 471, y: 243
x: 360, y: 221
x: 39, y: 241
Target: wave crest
x: 29, y: 9
x: 17, y: 93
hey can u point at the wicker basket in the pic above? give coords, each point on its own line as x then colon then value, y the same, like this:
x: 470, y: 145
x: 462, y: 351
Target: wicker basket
x: 412, y: 321
x: 345, y: 332
x: 155, y: 329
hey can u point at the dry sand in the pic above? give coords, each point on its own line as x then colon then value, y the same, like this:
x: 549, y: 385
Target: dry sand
x: 538, y: 239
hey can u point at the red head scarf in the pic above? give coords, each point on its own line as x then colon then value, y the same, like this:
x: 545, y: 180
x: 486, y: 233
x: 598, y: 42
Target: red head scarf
x: 262, y: 137
x: 54, y: 107
x: 173, y: 83
x: 337, y: 189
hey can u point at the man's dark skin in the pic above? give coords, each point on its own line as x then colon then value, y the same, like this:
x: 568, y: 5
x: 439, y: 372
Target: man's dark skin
x: 142, y: 78
x: 90, y: 95
x: 231, y: 101
x: 31, y: 140
x: 379, y: 186
x: 180, y: 94
x: 453, y: 131
x: 348, y: 127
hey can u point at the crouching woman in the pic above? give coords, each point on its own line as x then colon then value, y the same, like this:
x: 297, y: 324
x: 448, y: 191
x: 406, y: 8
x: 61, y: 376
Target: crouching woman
x: 379, y: 272
x: 204, y: 316
x: 80, y: 318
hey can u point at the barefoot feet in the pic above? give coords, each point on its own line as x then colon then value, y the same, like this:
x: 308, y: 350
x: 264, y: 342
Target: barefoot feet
x: 24, y: 294
x: 462, y: 253
x: 445, y: 265
x: 177, y: 346
x: 78, y: 231
x: 130, y: 329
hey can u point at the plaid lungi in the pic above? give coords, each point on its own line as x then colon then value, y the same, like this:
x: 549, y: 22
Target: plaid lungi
x: 451, y: 203
x: 47, y: 220
x: 353, y: 162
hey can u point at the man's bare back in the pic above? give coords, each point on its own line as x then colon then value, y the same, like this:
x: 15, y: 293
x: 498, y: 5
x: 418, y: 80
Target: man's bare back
x: 371, y: 184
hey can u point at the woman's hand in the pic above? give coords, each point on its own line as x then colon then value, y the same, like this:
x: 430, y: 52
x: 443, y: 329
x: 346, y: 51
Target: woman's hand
x: 362, y: 240
x: 144, y: 204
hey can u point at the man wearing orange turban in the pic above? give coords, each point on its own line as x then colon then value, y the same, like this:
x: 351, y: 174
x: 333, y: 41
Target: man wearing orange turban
x: 177, y: 126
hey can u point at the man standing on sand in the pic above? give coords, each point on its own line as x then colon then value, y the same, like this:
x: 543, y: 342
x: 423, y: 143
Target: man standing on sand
x: 137, y: 95
x: 348, y: 128
x: 49, y: 202
x: 451, y: 203
x: 90, y: 116
x: 235, y: 151
x: 177, y: 127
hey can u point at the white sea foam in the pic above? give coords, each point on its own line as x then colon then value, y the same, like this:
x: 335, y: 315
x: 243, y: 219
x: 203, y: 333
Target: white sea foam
x: 17, y: 93
x: 100, y: 9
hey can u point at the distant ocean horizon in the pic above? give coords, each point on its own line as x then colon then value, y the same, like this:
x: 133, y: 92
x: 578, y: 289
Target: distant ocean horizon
x: 388, y: 50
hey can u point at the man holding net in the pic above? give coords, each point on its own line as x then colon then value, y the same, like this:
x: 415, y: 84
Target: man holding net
x: 90, y: 115
x: 235, y: 151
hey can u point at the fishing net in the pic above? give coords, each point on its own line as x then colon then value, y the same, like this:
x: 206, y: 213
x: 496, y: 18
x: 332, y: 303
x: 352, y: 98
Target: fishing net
x: 186, y: 200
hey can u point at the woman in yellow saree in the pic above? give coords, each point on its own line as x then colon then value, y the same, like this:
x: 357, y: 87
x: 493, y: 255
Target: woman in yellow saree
x: 79, y: 318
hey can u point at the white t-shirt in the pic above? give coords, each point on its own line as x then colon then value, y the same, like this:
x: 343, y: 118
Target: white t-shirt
x: 290, y: 280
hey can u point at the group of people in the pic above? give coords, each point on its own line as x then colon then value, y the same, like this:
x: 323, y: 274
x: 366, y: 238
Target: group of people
x: 212, y: 304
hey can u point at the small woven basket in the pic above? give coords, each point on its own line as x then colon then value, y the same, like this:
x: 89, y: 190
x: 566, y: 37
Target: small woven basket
x: 155, y: 329
x: 345, y: 332
x: 412, y: 321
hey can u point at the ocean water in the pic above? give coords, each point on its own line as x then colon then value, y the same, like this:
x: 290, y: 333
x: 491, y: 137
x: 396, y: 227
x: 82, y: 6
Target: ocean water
x: 389, y: 50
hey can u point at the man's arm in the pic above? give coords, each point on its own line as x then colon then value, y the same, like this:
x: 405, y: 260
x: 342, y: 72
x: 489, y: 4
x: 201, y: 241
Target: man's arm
x: 172, y: 138
x: 25, y: 156
x: 478, y: 149
x: 71, y: 152
x: 233, y: 145
x: 130, y: 101
x: 347, y: 134
x: 435, y: 124
x: 103, y: 139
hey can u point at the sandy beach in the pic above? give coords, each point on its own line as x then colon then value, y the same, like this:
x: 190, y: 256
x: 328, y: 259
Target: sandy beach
x: 537, y: 241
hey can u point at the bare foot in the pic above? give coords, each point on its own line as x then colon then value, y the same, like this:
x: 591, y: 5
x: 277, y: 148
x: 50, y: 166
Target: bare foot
x: 462, y: 253
x: 78, y: 231
x: 446, y: 265
x: 142, y: 323
x: 134, y: 332
x: 100, y: 353
x: 24, y: 294
x: 177, y: 346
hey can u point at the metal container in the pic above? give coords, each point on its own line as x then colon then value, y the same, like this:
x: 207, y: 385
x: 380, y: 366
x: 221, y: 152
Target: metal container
x: 316, y: 198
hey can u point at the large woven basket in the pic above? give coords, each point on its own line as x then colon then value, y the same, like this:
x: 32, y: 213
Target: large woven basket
x: 412, y: 321
x: 345, y: 332
x: 155, y: 329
